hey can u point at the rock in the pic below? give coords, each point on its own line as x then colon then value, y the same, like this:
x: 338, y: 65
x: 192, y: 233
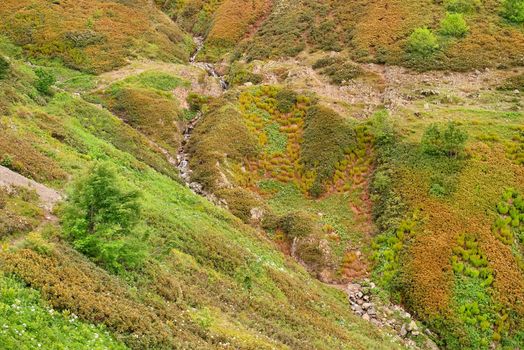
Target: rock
x: 360, y: 302
x: 426, y: 106
x: 359, y: 295
x: 431, y: 345
x: 366, y: 306
x: 412, y: 326
x: 248, y: 83
x: 366, y: 297
x: 358, y: 309
x: 371, y: 311
x: 516, y: 92
x: 415, y: 333
x: 372, y: 285
x: 403, y: 331
x: 366, y: 317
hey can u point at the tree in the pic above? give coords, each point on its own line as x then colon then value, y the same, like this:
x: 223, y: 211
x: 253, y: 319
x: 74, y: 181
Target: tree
x: 422, y: 43
x: 44, y: 81
x: 454, y: 25
x: 450, y: 142
x: 513, y: 10
x: 100, y: 218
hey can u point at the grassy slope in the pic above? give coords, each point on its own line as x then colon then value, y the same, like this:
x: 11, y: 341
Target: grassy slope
x: 209, y: 280
x: 91, y: 35
x: 377, y: 31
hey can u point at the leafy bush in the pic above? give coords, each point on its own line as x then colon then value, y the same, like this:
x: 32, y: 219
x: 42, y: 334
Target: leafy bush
x: 44, y: 81
x: 449, y: 142
x: 196, y: 101
x: 462, y: 6
x: 513, y: 10
x: 286, y: 99
x: 100, y: 218
x: 454, y: 25
x: 4, y: 67
x: 297, y: 224
x: 422, y: 43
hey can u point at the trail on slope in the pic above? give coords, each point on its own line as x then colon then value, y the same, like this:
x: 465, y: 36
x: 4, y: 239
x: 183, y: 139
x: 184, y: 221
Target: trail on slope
x: 48, y: 196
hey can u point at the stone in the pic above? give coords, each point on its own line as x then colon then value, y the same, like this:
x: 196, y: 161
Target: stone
x: 359, y: 295
x: 516, y: 92
x: 366, y: 297
x: 430, y: 345
x: 366, y: 317
x: 366, y: 306
x: 360, y: 301
x: 373, y: 285
x: 371, y: 311
x: 358, y: 309
x: 415, y: 333
x: 403, y: 331
x: 412, y: 326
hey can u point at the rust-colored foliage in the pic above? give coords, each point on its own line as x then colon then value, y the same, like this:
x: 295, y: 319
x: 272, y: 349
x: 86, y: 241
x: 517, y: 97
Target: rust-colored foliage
x: 22, y: 155
x: 67, y: 281
x: 235, y: 18
x: 91, y: 35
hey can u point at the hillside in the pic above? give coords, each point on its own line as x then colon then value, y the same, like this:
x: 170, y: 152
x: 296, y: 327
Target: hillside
x: 262, y: 174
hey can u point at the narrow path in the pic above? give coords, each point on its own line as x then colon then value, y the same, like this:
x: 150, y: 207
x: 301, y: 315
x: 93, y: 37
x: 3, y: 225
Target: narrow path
x: 48, y: 196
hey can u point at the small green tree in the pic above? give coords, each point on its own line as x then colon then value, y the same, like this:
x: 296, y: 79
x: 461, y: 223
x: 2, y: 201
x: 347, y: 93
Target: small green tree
x: 4, y: 67
x: 450, y: 142
x: 44, y: 81
x: 454, y: 140
x: 422, y: 43
x: 513, y: 10
x: 454, y: 25
x: 100, y: 219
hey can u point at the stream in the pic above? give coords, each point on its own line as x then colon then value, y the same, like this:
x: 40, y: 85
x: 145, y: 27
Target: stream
x: 182, y: 155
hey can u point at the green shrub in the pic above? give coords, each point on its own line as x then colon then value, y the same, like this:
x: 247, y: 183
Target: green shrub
x: 513, y: 10
x: 4, y: 67
x: 196, y: 101
x: 100, y: 218
x: 44, y: 81
x: 449, y: 142
x: 286, y: 99
x: 454, y: 25
x: 462, y: 6
x: 297, y: 224
x: 422, y: 43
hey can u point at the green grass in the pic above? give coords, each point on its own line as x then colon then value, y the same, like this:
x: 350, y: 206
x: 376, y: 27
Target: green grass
x: 27, y: 322
x: 208, y: 277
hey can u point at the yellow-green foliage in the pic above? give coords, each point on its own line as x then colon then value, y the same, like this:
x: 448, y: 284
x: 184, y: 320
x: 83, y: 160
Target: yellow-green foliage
x: 19, y: 212
x: 153, y: 113
x: 92, y: 35
x: 219, y: 136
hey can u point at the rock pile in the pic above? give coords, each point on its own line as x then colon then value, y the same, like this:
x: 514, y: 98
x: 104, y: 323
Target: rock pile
x: 365, y: 304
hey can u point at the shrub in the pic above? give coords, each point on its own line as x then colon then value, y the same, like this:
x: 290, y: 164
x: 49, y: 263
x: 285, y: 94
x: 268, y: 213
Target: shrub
x: 196, y: 101
x: 286, y: 99
x: 450, y: 142
x: 422, y: 43
x: 44, y: 81
x: 100, y: 217
x: 454, y: 25
x: 513, y: 10
x: 462, y: 6
x: 4, y: 67
x: 297, y: 224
